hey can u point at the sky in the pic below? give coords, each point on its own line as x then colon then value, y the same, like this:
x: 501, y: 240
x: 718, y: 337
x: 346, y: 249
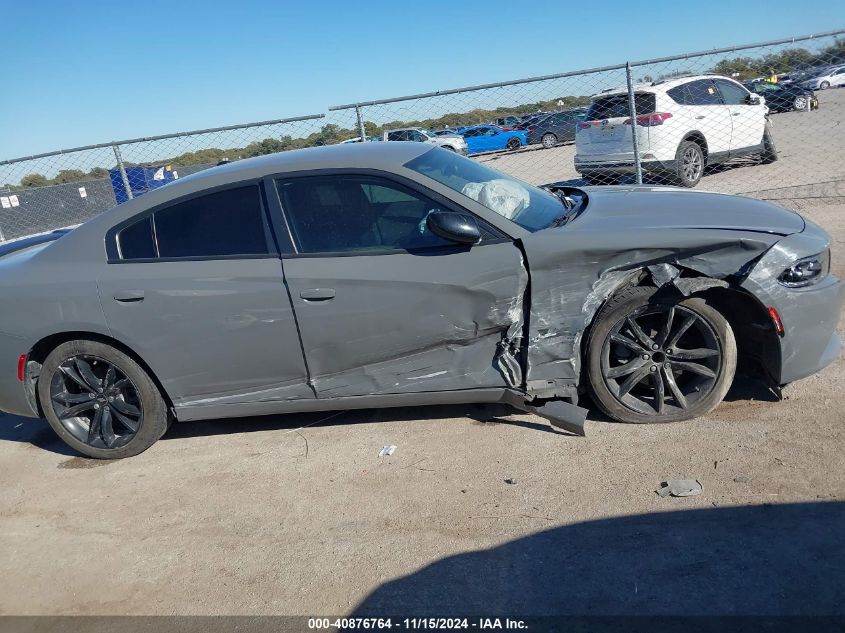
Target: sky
x: 81, y: 73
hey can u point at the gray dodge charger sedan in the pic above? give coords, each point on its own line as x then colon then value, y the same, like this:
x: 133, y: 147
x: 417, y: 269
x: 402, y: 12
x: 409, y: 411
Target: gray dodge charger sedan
x: 386, y: 274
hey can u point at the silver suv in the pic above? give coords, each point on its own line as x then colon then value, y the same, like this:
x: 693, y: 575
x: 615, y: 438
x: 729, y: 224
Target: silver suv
x: 453, y: 142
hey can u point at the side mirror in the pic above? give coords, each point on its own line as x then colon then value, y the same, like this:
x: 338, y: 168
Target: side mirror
x: 753, y: 99
x: 455, y: 227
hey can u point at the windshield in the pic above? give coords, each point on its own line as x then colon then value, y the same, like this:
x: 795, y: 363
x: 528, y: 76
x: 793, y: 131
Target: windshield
x: 528, y: 206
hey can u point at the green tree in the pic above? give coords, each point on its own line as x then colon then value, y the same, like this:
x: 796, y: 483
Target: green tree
x: 98, y: 172
x: 34, y: 180
x: 69, y: 175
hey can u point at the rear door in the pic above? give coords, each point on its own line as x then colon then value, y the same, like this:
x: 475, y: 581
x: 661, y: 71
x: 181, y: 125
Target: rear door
x: 384, y: 306
x: 701, y: 100
x: 747, y: 120
x: 195, y: 288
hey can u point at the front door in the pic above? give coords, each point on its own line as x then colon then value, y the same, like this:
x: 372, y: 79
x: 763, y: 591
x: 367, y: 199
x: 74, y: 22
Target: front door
x: 195, y: 290
x: 383, y: 305
x: 747, y: 120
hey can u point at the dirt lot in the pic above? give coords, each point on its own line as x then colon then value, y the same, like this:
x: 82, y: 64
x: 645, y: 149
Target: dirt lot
x: 298, y: 515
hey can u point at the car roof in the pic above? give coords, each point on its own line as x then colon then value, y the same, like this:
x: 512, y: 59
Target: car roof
x: 661, y: 85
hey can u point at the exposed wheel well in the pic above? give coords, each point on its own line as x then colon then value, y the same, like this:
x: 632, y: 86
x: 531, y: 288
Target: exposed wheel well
x: 42, y: 349
x: 698, y: 138
x: 758, y: 349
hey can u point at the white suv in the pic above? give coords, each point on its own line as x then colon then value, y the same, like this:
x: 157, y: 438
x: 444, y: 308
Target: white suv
x: 683, y: 125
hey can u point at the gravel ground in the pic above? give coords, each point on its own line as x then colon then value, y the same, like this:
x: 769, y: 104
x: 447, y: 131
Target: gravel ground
x: 298, y: 515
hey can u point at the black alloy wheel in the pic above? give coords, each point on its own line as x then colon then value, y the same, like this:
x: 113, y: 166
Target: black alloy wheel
x: 666, y: 373
x: 96, y: 402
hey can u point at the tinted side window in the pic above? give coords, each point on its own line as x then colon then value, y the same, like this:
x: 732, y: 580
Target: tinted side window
x: 355, y: 213
x: 732, y: 94
x: 224, y: 223
x: 136, y: 241
x: 700, y: 92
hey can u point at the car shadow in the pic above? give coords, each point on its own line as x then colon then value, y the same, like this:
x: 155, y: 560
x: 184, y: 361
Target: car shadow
x: 754, y: 560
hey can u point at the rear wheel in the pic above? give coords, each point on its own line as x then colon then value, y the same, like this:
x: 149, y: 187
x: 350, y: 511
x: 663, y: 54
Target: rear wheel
x: 513, y: 144
x: 549, y: 140
x: 659, y: 360
x: 100, y: 401
x: 824, y: 85
x: 770, y: 152
x: 689, y: 164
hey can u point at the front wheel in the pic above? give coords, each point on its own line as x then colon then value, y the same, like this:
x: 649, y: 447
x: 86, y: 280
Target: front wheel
x: 513, y: 144
x: 659, y: 360
x: 100, y: 401
x: 824, y: 85
x: 800, y: 102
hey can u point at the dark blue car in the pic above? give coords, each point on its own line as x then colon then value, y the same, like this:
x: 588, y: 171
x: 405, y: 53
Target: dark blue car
x: 489, y: 138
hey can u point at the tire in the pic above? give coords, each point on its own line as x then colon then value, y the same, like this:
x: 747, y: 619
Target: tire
x: 824, y: 85
x: 123, y: 393
x: 548, y: 140
x: 800, y: 102
x: 709, y: 332
x: 689, y: 164
x: 513, y: 144
x: 770, y: 152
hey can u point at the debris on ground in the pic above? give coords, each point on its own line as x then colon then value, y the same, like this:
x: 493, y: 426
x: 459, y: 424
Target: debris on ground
x: 386, y: 451
x: 679, y: 488
x: 742, y: 479
x: 510, y: 480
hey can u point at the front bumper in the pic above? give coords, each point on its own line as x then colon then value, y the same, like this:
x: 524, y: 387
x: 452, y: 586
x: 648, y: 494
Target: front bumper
x: 809, y: 315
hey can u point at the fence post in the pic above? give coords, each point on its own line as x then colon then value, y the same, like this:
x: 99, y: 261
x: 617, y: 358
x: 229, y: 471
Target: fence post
x: 122, y: 169
x: 361, y: 131
x: 632, y: 107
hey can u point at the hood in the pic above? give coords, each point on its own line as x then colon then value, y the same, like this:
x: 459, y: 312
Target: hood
x: 621, y: 208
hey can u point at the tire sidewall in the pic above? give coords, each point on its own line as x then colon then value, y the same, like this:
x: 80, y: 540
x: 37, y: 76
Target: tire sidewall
x: 635, y: 298
x: 154, y: 422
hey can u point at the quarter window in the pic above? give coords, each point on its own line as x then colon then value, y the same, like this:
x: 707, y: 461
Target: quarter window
x: 356, y: 214
x: 136, y: 241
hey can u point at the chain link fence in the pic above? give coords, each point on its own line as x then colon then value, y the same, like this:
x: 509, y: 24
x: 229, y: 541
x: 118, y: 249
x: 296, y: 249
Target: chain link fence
x: 58, y: 189
x: 766, y: 120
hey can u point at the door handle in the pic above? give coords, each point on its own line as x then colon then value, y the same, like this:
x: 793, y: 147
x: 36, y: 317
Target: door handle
x: 129, y: 296
x: 701, y: 116
x: 317, y: 294
x: 736, y: 113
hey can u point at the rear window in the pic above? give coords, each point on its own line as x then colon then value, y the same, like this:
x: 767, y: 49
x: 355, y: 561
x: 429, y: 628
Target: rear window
x: 613, y: 106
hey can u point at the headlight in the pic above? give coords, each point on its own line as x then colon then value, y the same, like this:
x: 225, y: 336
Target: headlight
x: 806, y: 271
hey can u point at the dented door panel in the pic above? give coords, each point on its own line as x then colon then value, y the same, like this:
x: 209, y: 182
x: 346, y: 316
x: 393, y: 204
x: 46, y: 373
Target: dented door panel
x: 404, y: 323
